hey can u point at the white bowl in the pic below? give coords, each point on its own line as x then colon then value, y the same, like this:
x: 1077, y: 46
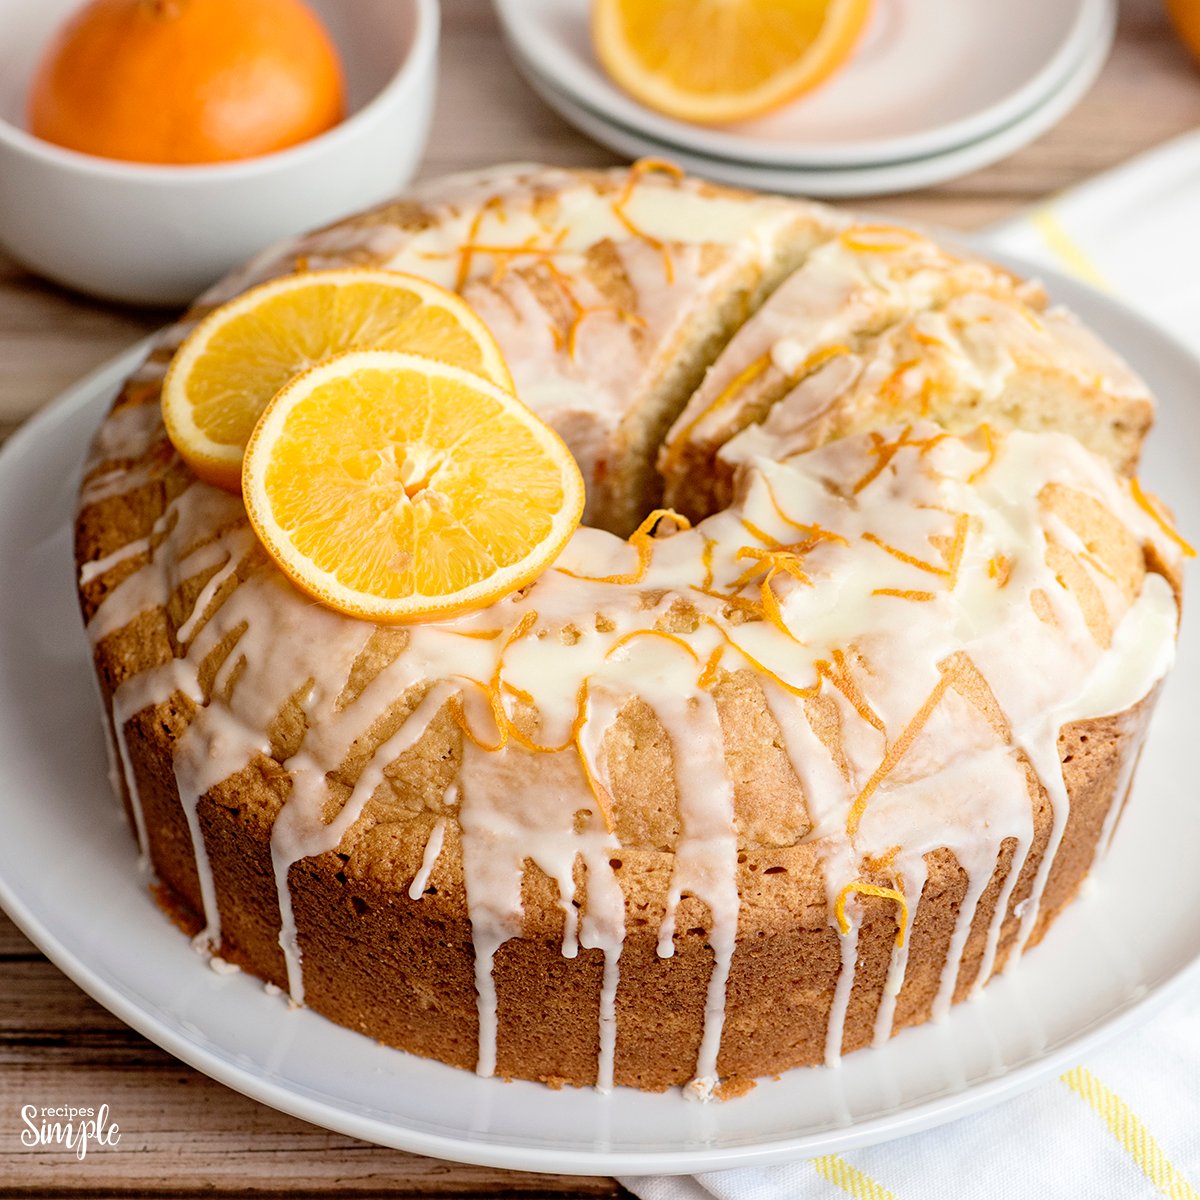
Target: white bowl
x: 161, y: 234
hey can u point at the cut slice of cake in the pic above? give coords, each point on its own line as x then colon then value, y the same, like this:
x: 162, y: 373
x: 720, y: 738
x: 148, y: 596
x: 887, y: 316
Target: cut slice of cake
x: 982, y: 359
x: 860, y: 284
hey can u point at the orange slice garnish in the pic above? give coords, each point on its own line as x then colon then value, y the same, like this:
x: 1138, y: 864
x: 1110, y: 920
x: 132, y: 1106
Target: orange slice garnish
x: 399, y: 488
x: 723, y: 60
x: 240, y: 355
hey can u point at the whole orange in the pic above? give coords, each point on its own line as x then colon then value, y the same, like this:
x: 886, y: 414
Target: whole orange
x: 1185, y: 14
x: 187, y: 81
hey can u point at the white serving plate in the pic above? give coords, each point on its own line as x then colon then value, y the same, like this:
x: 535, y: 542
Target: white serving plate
x: 840, y: 181
x: 928, y: 76
x: 68, y: 877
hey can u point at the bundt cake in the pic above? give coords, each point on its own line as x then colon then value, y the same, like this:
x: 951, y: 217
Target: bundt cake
x: 736, y: 786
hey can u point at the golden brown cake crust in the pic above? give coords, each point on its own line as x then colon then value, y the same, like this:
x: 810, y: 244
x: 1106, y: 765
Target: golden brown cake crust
x: 401, y: 971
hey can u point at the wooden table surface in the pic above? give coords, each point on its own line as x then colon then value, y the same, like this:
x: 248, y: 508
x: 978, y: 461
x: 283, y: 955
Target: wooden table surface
x: 182, y: 1134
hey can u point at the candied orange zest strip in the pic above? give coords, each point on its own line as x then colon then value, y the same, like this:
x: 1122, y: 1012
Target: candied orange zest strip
x: 536, y: 747
x: 870, y: 889
x: 530, y: 744
x: 653, y: 242
x: 582, y: 311
x: 739, y: 602
x: 770, y: 563
x: 928, y: 443
x: 926, y: 397
x: 989, y: 442
x: 742, y: 380
x: 519, y: 630
x: 494, y: 691
x: 526, y: 247
x: 659, y: 633
x: 901, y: 239
x: 804, y: 693
x: 904, y: 556
x: 647, y: 166
x: 779, y: 558
x: 520, y: 693
x: 1151, y: 505
x: 642, y: 540
x: 706, y: 560
x: 760, y: 534
x: 504, y: 259
x: 897, y: 750
x: 962, y: 526
x: 709, y: 675
x: 890, y: 389
x: 817, y: 533
x: 818, y: 358
x: 599, y: 793
x: 642, y: 167
x: 922, y: 338
x: 467, y: 252
x: 882, y: 862
x: 904, y: 593
x: 999, y: 569
x: 564, y: 282
x: 771, y: 609
x: 884, y: 452
x: 572, y: 739
x: 459, y: 716
x: 838, y: 674
x: 483, y: 635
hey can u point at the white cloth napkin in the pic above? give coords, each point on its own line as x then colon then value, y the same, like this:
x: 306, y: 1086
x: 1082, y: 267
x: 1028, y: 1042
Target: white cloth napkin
x: 1125, y: 1124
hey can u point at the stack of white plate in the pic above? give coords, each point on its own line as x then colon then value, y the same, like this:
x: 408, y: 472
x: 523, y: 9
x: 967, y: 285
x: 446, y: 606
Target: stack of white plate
x: 936, y: 88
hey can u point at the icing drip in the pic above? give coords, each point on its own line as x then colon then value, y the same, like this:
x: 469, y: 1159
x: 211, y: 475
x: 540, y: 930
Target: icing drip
x: 301, y: 832
x: 132, y: 697
x: 433, y: 847
x: 914, y: 874
x: 706, y: 856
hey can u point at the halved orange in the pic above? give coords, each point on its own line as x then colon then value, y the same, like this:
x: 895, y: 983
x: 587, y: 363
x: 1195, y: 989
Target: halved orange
x: 241, y: 354
x: 398, y: 488
x: 1185, y: 15
x: 718, y: 61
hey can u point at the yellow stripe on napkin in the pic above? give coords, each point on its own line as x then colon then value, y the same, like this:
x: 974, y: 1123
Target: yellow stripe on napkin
x: 851, y: 1180
x: 1067, y: 250
x: 1124, y: 1125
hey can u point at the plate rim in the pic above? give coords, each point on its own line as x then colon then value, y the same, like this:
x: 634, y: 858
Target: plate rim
x: 831, y: 183
x: 974, y: 1097
x: 525, y: 36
